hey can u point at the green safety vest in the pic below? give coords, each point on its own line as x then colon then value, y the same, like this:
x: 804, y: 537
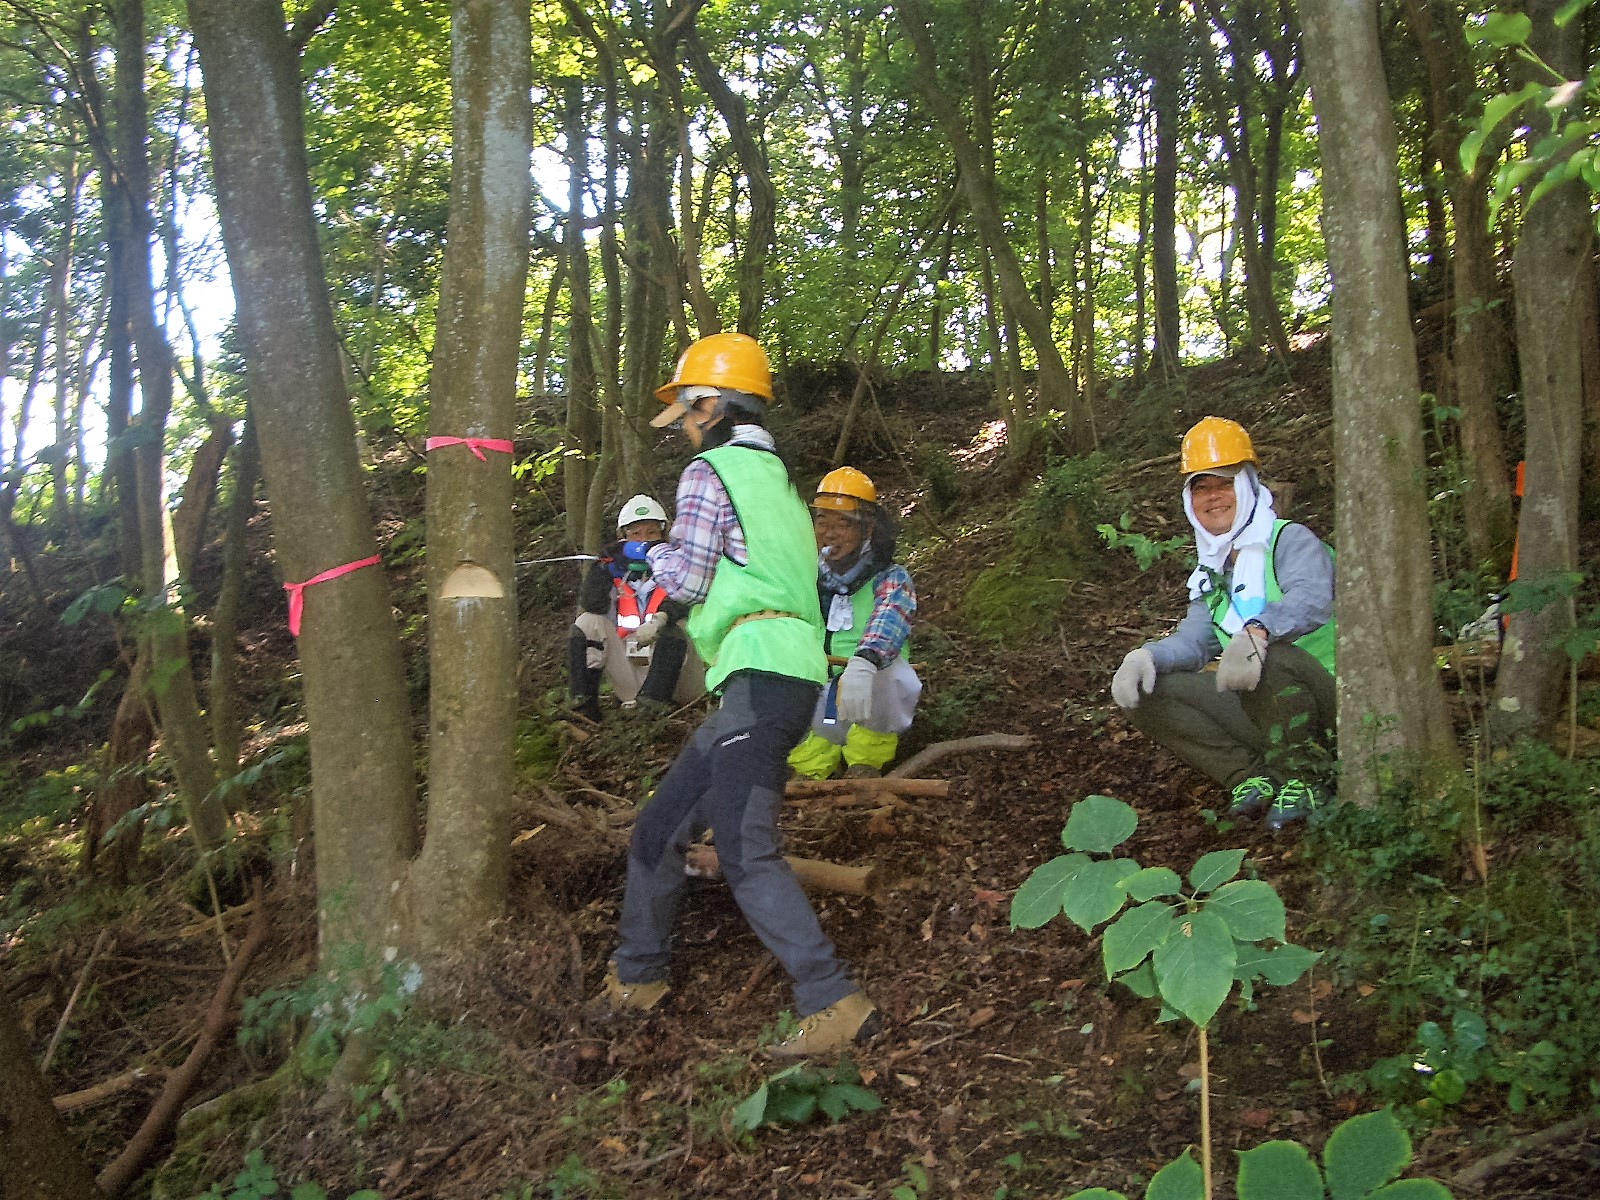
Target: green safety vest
x: 779, y: 576
x: 1318, y: 643
x: 842, y: 643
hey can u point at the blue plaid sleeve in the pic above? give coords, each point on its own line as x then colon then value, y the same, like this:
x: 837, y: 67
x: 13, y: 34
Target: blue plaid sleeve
x: 706, y: 528
x: 894, y: 602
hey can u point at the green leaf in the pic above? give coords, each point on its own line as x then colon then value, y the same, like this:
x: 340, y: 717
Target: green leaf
x: 1135, y: 934
x: 1180, y: 1179
x: 1141, y: 981
x: 1097, y: 1194
x: 1152, y: 882
x: 1278, y: 1171
x: 793, y: 1106
x: 1501, y: 29
x: 1042, y: 893
x: 1095, y: 894
x: 1251, y: 909
x: 751, y: 1112
x: 1497, y: 109
x: 836, y: 1099
x: 1364, y: 1153
x: 1215, y: 869
x: 1194, y: 966
x: 1412, y: 1189
x: 1099, y: 824
x: 1570, y: 9
x: 1287, y: 963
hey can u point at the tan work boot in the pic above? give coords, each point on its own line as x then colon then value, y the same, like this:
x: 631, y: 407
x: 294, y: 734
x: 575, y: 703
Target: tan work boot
x: 843, y: 1023
x: 619, y: 997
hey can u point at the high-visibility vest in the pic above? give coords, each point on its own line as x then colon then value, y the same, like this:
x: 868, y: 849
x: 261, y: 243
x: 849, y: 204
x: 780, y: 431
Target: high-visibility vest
x: 1318, y: 643
x: 629, y: 617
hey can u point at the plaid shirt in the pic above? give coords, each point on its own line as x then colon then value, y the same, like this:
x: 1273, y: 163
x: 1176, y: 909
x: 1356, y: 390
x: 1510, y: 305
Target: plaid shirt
x: 894, y: 601
x: 706, y: 527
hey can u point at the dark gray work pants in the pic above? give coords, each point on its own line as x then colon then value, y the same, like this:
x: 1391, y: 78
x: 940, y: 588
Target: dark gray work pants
x: 1225, y: 735
x: 729, y: 777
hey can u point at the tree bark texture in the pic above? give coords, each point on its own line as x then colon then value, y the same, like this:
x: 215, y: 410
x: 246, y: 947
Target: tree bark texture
x: 37, y: 1160
x: 459, y: 883
x: 363, y: 785
x: 1549, y: 271
x: 1391, y: 713
x: 1165, y: 62
x: 583, y: 398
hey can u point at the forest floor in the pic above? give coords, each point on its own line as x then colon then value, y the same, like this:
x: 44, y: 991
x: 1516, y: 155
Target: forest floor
x: 1009, y: 1066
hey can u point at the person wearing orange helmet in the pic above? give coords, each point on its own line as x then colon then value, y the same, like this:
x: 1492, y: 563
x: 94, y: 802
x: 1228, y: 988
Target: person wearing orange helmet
x: 742, y: 554
x: 867, y: 605
x: 1261, y: 610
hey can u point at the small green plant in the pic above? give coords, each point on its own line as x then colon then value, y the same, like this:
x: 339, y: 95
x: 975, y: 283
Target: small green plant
x: 257, y: 1180
x: 797, y: 1094
x: 916, y: 1182
x: 1147, y: 551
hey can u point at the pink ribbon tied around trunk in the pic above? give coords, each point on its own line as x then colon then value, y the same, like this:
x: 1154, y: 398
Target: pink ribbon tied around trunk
x: 476, y: 444
x: 297, y: 596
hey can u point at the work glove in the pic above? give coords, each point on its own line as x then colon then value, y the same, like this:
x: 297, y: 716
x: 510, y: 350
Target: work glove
x: 855, y: 691
x: 1239, y: 668
x: 650, y: 629
x: 1136, y: 677
x: 636, y: 553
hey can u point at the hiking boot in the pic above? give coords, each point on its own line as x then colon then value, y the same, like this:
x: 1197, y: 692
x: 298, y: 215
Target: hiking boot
x: 618, y: 997
x: 1251, y: 796
x: 862, y: 771
x: 1295, y: 800
x: 843, y: 1023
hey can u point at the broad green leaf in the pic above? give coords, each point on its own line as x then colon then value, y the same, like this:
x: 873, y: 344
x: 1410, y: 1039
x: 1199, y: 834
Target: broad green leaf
x: 1412, y: 1189
x: 837, y: 1099
x: 1152, y: 882
x: 1505, y: 29
x: 1099, y: 824
x: 1180, y: 1179
x: 1468, y: 1031
x: 315, y: 1191
x: 751, y: 1112
x: 1365, y: 1153
x: 1094, y: 895
x: 1251, y: 909
x: 1097, y: 1194
x: 1497, y: 109
x: 1041, y: 895
x: 1141, y: 981
x: 1286, y: 963
x: 1570, y: 9
x: 1215, y: 869
x: 1194, y: 966
x: 792, y: 1106
x: 1278, y: 1171
x: 1134, y: 934
x: 1250, y: 960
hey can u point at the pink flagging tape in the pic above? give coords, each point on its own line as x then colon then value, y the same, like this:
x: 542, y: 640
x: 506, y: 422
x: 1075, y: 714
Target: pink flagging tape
x: 297, y: 591
x: 476, y: 444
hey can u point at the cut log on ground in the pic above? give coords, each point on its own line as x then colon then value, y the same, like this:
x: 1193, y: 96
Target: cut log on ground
x: 812, y: 873
x: 942, y: 750
x: 802, y: 789
x: 104, y: 1090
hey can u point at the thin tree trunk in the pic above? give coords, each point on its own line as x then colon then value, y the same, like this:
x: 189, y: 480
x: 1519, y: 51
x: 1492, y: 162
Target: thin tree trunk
x: 583, y: 401
x: 125, y: 785
x: 1391, y: 712
x: 1165, y: 60
x: 226, y: 739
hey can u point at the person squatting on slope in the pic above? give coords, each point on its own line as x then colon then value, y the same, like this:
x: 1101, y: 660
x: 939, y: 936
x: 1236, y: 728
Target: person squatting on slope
x: 629, y: 632
x: 742, y: 552
x: 1261, y: 606
x: 867, y: 604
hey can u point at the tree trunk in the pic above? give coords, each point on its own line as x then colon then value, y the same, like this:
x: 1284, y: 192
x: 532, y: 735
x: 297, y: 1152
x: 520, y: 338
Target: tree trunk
x: 124, y: 786
x: 459, y: 884
x: 1549, y: 270
x: 37, y: 1160
x: 583, y: 400
x: 1165, y: 63
x: 363, y: 786
x: 1391, y: 713
x: 223, y: 687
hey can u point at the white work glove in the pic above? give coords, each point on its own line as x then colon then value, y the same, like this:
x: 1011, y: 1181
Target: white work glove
x: 855, y: 691
x: 1136, y: 677
x: 649, y: 629
x: 1239, y: 668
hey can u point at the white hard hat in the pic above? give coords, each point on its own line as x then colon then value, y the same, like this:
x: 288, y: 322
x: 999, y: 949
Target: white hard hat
x: 641, y: 508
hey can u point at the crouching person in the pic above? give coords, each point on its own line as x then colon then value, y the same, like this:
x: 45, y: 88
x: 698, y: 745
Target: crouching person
x: 629, y: 633
x: 742, y: 553
x: 1261, y: 609
x: 867, y: 604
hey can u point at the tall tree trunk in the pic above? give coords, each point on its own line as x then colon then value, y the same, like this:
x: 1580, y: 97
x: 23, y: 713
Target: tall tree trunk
x: 125, y: 785
x: 1391, y: 711
x: 583, y: 399
x: 460, y: 880
x: 1549, y: 270
x: 363, y: 785
x: 1165, y: 61
x: 37, y: 1160
x: 61, y: 285
x: 223, y: 686
x: 1056, y: 391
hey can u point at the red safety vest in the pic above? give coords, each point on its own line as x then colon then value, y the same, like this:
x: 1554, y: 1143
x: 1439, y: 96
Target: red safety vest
x: 629, y: 617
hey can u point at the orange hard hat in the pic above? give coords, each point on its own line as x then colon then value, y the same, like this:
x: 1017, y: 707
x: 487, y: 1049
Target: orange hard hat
x: 721, y: 360
x: 1215, y: 442
x: 845, y: 490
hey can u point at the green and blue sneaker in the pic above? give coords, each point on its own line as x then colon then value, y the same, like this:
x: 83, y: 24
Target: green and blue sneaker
x: 1295, y: 799
x: 1251, y: 796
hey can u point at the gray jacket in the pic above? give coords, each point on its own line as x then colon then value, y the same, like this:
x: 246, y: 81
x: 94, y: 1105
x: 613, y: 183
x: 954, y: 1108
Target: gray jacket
x: 1304, y: 568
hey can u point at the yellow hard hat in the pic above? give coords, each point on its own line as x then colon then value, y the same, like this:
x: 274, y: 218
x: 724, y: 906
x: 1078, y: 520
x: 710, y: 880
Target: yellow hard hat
x: 723, y: 360
x: 1215, y: 442
x: 845, y: 489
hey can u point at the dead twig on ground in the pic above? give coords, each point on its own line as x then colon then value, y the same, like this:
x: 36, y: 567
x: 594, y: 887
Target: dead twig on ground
x: 942, y: 750
x: 72, y: 1001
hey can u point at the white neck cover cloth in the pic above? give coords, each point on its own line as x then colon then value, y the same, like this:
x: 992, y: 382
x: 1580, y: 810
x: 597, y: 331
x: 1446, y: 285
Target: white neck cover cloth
x: 1250, y: 537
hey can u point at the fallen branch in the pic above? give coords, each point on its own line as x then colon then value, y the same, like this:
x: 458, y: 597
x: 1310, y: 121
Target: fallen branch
x: 942, y: 750
x: 801, y: 789
x: 104, y: 1090
x: 163, y: 1113
x: 812, y: 873
x: 1476, y: 1175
